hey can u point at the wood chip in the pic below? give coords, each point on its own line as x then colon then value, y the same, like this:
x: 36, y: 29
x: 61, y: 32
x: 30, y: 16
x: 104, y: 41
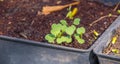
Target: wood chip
x: 23, y: 35
x: 48, y: 9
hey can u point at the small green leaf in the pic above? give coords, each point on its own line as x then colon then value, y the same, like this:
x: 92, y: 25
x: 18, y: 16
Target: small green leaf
x: 55, y: 32
x: 56, y: 29
x: 69, y: 15
x: 81, y: 41
x: 69, y: 9
x: 61, y: 40
x: 50, y: 38
x: 76, y: 21
x: 53, y: 26
x: 63, y: 22
x: 64, y: 28
x: 68, y: 39
x: 56, y: 26
x: 80, y: 30
x: 70, y: 30
x: 77, y: 36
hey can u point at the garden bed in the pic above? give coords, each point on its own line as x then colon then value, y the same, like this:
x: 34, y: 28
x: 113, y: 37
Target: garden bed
x: 24, y: 19
x: 114, y: 46
x: 107, y: 50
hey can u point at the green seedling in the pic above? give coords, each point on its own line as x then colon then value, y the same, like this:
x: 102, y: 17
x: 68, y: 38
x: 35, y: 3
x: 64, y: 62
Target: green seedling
x: 76, y: 21
x: 69, y: 15
x: 80, y: 31
x: 69, y: 9
x: 63, y: 33
x: 50, y: 38
x: 63, y: 22
x: 70, y: 30
x: 60, y: 40
x: 56, y: 29
x: 66, y: 39
x: 72, y: 13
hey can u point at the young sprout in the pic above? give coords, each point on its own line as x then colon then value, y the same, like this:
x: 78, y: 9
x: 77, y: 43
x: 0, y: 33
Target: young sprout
x: 69, y: 9
x: 79, y: 39
x: 70, y: 30
x: 56, y: 29
x: 80, y: 31
x: 50, y: 38
x: 69, y: 15
x: 76, y: 21
x: 72, y: 13
x: 68, y: 39
x: 63, y: 22
x: 60, y: 40
x: 62, y: 33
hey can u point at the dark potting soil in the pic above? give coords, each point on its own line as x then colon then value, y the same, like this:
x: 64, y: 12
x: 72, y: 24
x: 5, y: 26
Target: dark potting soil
x: 23, y: 19
x: 114, y: 49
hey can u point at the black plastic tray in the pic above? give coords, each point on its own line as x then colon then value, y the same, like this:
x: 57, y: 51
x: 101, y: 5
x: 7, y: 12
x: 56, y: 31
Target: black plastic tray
x: 107, y: 2
x: 21, y: 51
x: 103, y: 42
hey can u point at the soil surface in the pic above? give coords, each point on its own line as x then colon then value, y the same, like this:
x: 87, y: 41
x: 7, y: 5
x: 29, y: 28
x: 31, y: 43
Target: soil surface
x: 23, y: 19
x: 110, y: 47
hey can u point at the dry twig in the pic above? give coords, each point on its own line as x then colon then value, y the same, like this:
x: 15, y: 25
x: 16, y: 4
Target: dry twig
x: 102, y: 18
x: 48, y: 9
x: 108, y: 49
x: 116, y: 6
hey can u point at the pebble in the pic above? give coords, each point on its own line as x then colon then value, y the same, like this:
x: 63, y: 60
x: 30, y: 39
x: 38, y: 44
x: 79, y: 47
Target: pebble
x: 58, y: 2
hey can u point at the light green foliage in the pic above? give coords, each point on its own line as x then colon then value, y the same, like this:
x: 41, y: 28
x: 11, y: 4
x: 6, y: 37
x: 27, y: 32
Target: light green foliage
x: 63, y: 22
x: 80, y: 30
x: 50, y: 38
x: 77, y: 36
x: 64, y: 28
x: 69, y: 9
x: 62, y: 39
x: 63, y: 33
x: 56, y: 28
x: 68, y: 39
x: 81, y: 41
x: 70, y: 30
x: 69, y: 15
x: 76, y: 21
